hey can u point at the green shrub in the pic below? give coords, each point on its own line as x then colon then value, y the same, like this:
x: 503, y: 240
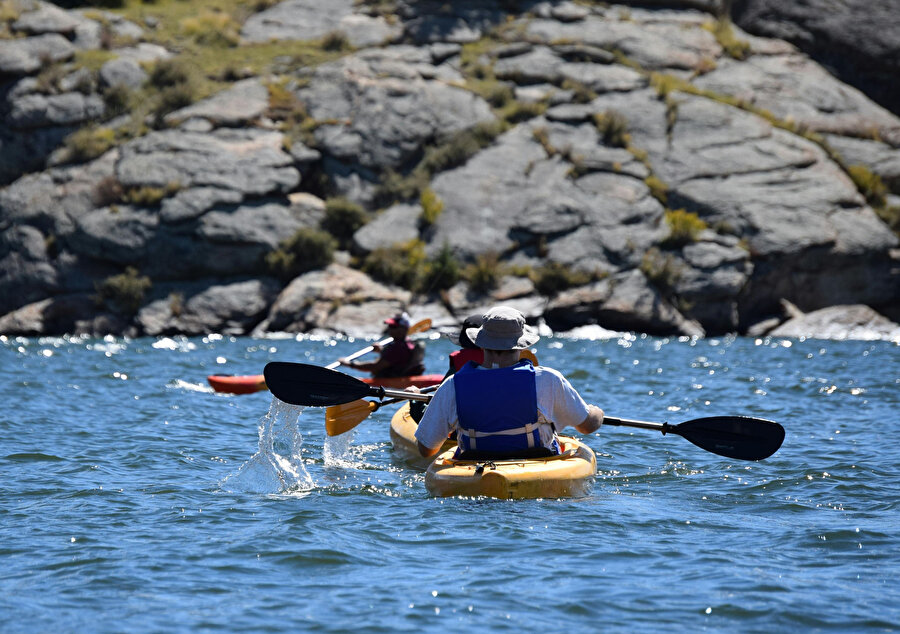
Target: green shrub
x: 118, y: 99
x: 869, y: 184
x: 342, y: 218
x: 89, y: 143
x: 660, y: 268
x: 890, y: 215
x: 581, y: 93
x: 306, y: 250
x: 284, y: 104
x: 684, y: 227
x: 723, y: 31
x: 147, y: 196
x: 108, y: 192
x: 212, y: 28
x: 441, y: 272
x: 517, y: 112
x: 553, y: 277
x: 335, y: 41
x: 613, y: 127
x: 125, y: 292
x: 432, y: 206
x: 400, y: 264
x: 169, y: 72
x: 483, y: 274
x: 658, y: 189
x: 174, y: 98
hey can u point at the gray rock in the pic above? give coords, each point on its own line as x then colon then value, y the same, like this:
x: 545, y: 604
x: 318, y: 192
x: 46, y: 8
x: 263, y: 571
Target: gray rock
x: 71, y: 313
x: 28, y: 55
x: 144, y: 52
x: 245, y: 160
x: 602, y: 78
x: 410, y: 112
x: 536, y: 65
x: 459, y: 22
x: 310, y: 20
x: 636, y: 305
x: 262, y: 223
x: 395, y: 225
x: 243, y: 102
x: 514, y: 195
x: 337, y: 299
x: 841, y: 322
x: 859, y: 40
x: 121, y: 234
x: 47, y: 18
x: 624, y: 302
x: 655, y: 46
x: 37, y: 111
x: 198, y: 308
x: 709, y: 282
x: 880, y: 158
x: 189, y: 204
x: 26, y: 274
x: 122, y: 72
x: 796, y: 89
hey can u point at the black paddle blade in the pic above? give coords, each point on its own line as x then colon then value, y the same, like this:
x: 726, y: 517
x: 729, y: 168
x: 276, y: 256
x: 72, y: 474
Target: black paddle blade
x: 311, y: 385
x: 740, y: 437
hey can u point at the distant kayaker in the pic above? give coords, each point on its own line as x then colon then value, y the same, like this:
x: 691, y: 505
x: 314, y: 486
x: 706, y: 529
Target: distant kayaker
x: 401, y: 357
x: 504, y: 407
x: 468, y: 351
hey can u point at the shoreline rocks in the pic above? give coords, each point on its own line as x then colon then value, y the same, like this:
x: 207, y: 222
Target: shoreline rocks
x: 564, y: 137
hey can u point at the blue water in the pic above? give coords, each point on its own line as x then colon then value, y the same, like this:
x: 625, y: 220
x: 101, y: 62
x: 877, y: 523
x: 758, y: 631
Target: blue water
x: 133, y: 499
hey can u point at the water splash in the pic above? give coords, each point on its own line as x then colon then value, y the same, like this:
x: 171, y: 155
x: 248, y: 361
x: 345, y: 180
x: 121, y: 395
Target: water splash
x: 277, y: 467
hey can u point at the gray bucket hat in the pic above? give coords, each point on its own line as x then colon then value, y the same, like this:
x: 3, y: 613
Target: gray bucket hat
x: 503, y: 328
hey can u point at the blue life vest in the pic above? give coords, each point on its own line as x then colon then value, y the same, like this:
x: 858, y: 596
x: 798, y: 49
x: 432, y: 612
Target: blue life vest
x: 497, y: 410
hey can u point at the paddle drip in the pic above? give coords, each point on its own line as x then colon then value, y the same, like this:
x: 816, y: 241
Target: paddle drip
x: 277, y: 466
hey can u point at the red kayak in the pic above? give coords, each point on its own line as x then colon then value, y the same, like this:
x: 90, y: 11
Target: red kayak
x: 248, y: 384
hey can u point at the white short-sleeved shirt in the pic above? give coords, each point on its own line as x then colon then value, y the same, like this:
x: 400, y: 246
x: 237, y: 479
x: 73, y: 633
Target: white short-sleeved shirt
x: 557, y: 401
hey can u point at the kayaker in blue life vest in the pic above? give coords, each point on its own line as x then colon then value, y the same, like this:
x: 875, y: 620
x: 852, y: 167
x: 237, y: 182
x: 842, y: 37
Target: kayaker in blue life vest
x: 506, y: 407
x: 401, y: 357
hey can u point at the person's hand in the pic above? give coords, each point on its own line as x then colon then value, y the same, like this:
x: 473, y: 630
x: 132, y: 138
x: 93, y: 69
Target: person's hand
x: 412, y: 388
x: 376, y: 347
x: 343, y: 361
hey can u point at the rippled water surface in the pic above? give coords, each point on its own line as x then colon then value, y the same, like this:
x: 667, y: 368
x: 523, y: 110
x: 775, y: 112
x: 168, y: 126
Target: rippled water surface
x: 133, y: 498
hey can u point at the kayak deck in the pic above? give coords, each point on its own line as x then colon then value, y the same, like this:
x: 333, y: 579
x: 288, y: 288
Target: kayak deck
x: 403, y: 438
x: 250, y: 383
x: 568, y: 475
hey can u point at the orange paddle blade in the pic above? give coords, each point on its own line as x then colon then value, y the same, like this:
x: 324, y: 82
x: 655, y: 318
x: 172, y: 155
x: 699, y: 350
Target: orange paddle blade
x: 340, y: 419
x: 419, y: 326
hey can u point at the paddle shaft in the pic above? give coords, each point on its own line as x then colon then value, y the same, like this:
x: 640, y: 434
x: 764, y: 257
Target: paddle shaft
x: 640, y: 424
x: 359, y: 353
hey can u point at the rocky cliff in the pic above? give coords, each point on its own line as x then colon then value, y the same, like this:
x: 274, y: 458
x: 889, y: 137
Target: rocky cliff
x: 310, y: 165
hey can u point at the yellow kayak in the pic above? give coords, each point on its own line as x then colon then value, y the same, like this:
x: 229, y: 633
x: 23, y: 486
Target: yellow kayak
x: 403, y: 439
x: 569, y: 474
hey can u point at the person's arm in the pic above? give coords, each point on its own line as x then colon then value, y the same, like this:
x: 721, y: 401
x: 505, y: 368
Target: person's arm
x: 439, y: 420
x: 427, y: 452
x: 372, y: 367
x: 592, y: 422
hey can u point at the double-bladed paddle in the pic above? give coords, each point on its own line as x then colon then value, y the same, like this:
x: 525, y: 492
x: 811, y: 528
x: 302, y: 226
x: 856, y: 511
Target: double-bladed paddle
x: 740, y: 437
